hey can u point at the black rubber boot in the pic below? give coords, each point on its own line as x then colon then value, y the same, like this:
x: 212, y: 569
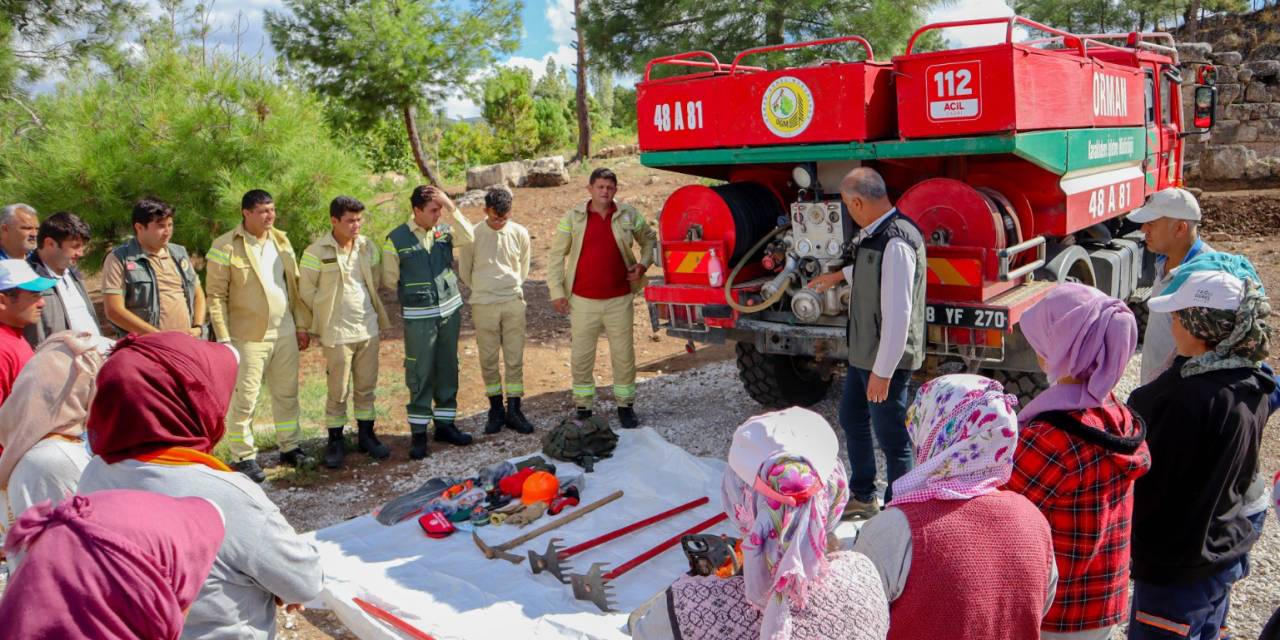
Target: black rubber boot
x: 448, y: 432
x: 335, y: 450
x: 515, y: 417
x: 583, y: 414
x: 419, y: 448
x: 497, y: 416
x: 368, y: 443
x: 250, y: 468
x: 297, y: 459
x: 627, y: 416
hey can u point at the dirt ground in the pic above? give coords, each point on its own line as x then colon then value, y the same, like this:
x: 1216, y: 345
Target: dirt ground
x: 1244, y: 222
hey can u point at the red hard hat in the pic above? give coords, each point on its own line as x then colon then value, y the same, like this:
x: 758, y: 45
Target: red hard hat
x: 540, y: 486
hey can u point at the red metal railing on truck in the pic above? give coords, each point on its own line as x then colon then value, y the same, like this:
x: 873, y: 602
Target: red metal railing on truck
x: 787, y: 46
x: 688, y: 59
x: 1070, y: 40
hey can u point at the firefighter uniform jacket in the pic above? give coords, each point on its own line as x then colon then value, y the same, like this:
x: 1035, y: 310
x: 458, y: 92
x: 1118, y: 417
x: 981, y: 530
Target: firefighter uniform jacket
x: 320, y: 285
x: 236, y: 287
x: 628, y: 227
x: 418, y: 263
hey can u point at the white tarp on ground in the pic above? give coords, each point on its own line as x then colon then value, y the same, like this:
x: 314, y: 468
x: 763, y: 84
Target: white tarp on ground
x: 448, y: 589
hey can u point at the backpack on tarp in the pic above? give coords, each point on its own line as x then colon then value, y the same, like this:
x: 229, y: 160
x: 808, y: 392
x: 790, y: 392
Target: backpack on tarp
x: 582, y: 441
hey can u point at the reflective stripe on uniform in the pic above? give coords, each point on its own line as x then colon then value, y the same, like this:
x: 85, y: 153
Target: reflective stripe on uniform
x: 369, y: 414
x: 444, y: 309
x: 1162, y: 623
x: 419, y: 419
x: 289, y: 425
x: 311, y: 262
x: 515, y: 389
x: 584, y: 390
x: 333, y: 422
x: 624, y: 390
x: 493, y: 389
x: 218, y: 256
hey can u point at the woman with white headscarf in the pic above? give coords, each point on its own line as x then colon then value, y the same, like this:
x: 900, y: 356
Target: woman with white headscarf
x: 42, y: 422
x: 784, y: 489
x: 958, y: 556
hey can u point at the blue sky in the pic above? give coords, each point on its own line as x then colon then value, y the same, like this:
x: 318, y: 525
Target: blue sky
x: 547, y: 33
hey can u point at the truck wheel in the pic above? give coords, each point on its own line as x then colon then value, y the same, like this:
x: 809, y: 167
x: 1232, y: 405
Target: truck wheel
x: 779, y: 381
x: 1026, y: 385
x: 1140, y: 313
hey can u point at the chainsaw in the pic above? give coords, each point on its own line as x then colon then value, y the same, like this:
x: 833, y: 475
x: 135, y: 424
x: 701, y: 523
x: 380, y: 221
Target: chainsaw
x: 713, y: 555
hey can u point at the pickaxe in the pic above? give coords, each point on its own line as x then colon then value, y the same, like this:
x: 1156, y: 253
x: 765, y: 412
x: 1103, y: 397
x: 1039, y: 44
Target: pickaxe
x: 551, y: 559
x: 500, y: 551
x: 593, y: 586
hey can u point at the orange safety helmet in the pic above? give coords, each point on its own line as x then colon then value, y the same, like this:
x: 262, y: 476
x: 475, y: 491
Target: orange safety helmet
x: 540, y: 486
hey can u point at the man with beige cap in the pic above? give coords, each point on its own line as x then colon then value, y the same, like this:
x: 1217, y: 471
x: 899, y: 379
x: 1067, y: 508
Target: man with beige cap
x: 1170, y: 221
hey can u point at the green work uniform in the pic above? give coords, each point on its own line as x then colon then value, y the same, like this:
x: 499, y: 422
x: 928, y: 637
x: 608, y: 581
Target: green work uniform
x: 419, y: 262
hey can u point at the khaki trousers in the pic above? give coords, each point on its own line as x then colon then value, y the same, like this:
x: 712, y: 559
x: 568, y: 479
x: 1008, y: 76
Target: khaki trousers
x: 615, y: 318
x: 500, y: 327
x: 277, y: 362
x: 352, y: 373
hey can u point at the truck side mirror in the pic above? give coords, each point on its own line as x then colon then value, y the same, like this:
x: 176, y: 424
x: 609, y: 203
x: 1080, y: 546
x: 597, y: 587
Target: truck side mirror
x: 1206, y: 102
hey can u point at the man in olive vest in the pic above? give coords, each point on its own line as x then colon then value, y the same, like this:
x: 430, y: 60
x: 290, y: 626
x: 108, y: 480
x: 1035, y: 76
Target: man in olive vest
x: 148, y: 284
x: 886, y: 335
x: 418, y: 263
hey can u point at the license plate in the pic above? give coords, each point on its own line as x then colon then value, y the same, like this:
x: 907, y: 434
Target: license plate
x: 971, y: 317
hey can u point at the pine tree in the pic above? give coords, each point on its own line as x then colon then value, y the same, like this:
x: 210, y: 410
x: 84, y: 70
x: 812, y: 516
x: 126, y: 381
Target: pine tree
x: 394, y: 54
x: 509, y: 108
x: 626, y: 34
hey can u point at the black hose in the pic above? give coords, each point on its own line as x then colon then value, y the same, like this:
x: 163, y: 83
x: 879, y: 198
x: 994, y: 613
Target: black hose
x: 755, y: 213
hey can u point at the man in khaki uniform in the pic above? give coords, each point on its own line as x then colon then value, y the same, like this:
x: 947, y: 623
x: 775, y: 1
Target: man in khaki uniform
x: 148, y: 284
x: 339, y: 305
x: 495, y: 266
x: 252, y: 276
x: 597, y: 287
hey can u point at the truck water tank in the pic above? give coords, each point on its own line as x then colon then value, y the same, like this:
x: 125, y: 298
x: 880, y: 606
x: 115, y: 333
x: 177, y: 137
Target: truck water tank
x: 736, y: 214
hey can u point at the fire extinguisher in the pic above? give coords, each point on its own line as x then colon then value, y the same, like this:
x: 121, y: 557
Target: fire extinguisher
x: 715, y: 273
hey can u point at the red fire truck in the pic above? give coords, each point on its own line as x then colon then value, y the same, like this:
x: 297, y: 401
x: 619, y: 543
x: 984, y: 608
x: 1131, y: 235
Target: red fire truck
x: 1017, y: 160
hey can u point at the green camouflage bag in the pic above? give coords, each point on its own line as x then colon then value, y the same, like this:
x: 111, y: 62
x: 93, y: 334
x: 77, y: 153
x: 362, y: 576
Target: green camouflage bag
x: 580, y: 441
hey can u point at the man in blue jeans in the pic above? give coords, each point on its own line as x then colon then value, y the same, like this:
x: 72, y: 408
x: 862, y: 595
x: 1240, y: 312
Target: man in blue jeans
x: 886, y: 335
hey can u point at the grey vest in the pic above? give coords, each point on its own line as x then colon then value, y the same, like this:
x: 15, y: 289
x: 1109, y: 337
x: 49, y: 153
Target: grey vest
x: 864, y: 317
x: 428, y: 287
x: 140, y: 296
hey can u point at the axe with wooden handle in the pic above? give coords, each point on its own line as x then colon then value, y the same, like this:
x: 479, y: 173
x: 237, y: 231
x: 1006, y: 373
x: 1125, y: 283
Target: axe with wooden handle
x: 500, y: 551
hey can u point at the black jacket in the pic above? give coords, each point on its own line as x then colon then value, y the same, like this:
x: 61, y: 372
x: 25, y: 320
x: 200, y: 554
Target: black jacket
x: 53, y: 318
x: 1204, y: 433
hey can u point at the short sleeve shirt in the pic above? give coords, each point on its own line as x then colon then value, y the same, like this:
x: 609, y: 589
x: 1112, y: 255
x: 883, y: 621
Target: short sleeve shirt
x: 174, y: 314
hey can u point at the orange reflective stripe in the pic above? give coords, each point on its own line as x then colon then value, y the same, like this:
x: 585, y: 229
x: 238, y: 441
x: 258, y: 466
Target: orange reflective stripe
x: 954, y: 272
x: 685, y: 261
x: 182, y: 456
x: 1162, y: 623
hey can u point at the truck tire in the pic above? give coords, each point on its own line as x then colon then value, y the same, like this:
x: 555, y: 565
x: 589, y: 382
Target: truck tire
x: 1141, y: 313
x: 779, y: 381
x: 1026, y: 385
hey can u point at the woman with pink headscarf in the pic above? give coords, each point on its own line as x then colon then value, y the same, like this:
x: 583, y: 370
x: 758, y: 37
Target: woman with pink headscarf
x: 1079, y: 452
x: 958, y: 557
x: 784, y: 489
x: 42, y: 422
x: 105, y: 567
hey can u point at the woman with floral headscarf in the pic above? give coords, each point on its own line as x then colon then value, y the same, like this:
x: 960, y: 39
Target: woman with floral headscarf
x: 1079, y: 452
x: 1204, y: 416
x: 784, y: 489
x: 959, y: 557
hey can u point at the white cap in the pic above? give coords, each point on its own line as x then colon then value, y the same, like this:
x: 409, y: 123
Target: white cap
x: 1208, y: 289
x: 17, y: 274
x: 1169, y: 203
x: 794, y: 431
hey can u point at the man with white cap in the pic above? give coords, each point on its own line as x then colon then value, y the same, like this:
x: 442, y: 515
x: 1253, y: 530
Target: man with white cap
x: 1170, y: 221
x: 20, y: 305
x: 1204, y: 417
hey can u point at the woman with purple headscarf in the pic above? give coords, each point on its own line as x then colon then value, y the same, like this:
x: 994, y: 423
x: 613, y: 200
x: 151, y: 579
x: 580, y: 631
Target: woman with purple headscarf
x: 1079, y: 452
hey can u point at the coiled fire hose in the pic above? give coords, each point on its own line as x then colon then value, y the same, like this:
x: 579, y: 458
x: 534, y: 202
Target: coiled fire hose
x: 728, y: 283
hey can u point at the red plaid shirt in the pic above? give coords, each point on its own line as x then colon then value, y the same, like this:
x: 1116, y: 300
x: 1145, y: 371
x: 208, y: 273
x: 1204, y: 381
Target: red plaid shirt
x: 1085, y: 491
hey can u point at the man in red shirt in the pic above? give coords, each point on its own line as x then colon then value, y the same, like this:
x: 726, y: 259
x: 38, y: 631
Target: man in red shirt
x: 20, y: 305
x: 597, y: 287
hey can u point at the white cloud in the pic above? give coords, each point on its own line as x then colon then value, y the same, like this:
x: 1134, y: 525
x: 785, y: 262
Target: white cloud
x: 564, y: 56
x: 972, y: 10
x: 560, y: 18
x: 461, y: 107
